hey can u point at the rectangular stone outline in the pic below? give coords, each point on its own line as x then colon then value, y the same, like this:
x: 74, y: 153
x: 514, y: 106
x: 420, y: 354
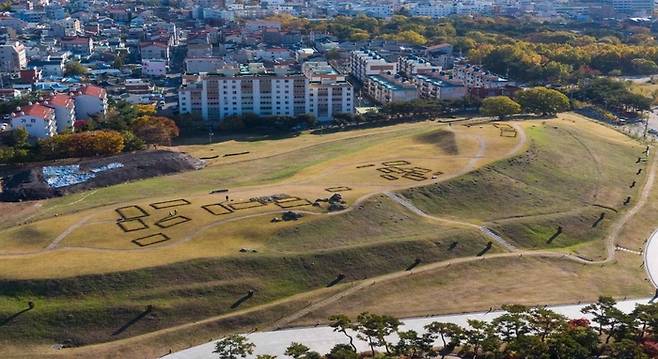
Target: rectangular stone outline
x: 126, y: 230
x: 161, y: 235
x: 144, y: 213
x: 158, y: 205
x: 161, y: 222
x: 208, y: 206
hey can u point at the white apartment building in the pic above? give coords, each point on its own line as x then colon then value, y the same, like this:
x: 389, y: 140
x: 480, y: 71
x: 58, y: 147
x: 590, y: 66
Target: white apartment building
x: 38, y: 120
x: 91, y: 100
x: 477, y: 77
x: 327, y: 91
x: 387, y: 89
x: 13, y: 57
x: 439, y: 88
x: 413, y: 65
x: 443, y: 8
x: 252, y: 89
x: 64, y: 107
x: 364, y: 63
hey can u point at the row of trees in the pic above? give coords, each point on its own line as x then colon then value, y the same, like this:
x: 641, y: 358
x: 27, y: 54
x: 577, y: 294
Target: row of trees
x: 538, y: 100
x: 519, y: 48
x: 255, y: 123
x: 520, y: 332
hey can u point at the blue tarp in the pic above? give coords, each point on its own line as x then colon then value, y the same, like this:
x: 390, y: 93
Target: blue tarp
x: 64, y: 176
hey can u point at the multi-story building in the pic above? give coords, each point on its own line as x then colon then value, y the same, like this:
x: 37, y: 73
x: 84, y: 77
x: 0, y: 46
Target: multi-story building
x: 364, y: 63
x: 251, y: 88
x: 204, y: 64
x: 38, y: 120
x: 71, y: 26
x: 387, y: 89
x: 477, y: 77
x: 439, y: 88
x: 78, y: 44
x: 327, y: 91
x: 433, y: 10
x: 13, y: 57
x: 64, y: 107
x: 55, y: 11
x: 154, y: 67
x: 633, y: 7
x: 91, y: 100
x: 414, y: 65
x: 154, y: 50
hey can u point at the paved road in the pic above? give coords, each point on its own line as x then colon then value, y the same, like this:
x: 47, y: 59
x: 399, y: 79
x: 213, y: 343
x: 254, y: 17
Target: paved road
x: 322, y: 339
x: 651, y: 258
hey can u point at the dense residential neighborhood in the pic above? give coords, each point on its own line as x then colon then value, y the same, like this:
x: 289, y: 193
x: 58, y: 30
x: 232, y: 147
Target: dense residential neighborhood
x: 266, y: 179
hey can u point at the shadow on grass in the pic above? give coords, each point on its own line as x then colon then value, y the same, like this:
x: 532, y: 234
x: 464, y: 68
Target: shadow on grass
x: 242, y: 299
x: 414, y: 264
x: 555, y: 235
x: 14, y: 316
x: 336, y: 280
x: 141, y: 315
x: 485, y: 249
x: 598, y: 220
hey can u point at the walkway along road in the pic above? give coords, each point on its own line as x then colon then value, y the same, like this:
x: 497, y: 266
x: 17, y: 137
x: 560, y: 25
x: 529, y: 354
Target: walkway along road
x: 322, y: 339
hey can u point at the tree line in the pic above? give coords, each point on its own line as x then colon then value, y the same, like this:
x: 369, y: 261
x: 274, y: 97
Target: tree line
x: 519, y: 332
x: 523, y: 49
x: 125, y: 128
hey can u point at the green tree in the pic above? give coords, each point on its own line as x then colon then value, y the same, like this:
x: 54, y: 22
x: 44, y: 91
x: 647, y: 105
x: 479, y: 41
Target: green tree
x: 544, y: 101
x: 265, y: 356
x: 374, y: 329
x: 75, y: 68
x: 341, y: 323
x: 343, y: 351
x: 499, y: 106
x: 132, y: 142
x: 233, y: 347
x: 600, y: 311
x: 411, y: 345
x: 297, y: 350
x: 627, y: 349
x: 446, y: 331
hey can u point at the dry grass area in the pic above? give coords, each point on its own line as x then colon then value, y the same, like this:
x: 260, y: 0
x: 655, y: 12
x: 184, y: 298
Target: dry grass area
x: 90, y: 241
x: 95, y: 278
x: 489, y: 283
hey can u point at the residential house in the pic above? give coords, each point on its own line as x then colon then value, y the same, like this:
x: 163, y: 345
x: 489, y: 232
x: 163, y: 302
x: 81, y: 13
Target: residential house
x: 90, y: 100
x: 64, y: 107
x: 13, y: 57
x: 38, y: 120
x: 80, y: 45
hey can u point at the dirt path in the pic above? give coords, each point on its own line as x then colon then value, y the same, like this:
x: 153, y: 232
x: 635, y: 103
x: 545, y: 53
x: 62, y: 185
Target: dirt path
x: 617, y: 227
x: 404, y: 202
x: 68, y: 231
x: 610, y: 241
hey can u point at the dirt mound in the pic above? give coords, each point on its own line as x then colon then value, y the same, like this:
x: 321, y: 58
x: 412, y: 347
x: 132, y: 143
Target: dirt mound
x: 84, y: 174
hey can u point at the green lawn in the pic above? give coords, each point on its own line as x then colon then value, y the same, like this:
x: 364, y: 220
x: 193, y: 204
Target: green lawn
x: 564, y: 168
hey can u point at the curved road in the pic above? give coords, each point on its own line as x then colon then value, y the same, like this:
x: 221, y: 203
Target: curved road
x: 323, y: 338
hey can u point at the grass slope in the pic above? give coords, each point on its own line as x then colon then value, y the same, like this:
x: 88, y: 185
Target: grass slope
x: 566, y: 173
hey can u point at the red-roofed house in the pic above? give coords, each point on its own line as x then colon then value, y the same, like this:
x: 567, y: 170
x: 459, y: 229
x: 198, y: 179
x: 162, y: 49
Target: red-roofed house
x: 38, y: 120
x: 91, y: 100
x: 64, y: 107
